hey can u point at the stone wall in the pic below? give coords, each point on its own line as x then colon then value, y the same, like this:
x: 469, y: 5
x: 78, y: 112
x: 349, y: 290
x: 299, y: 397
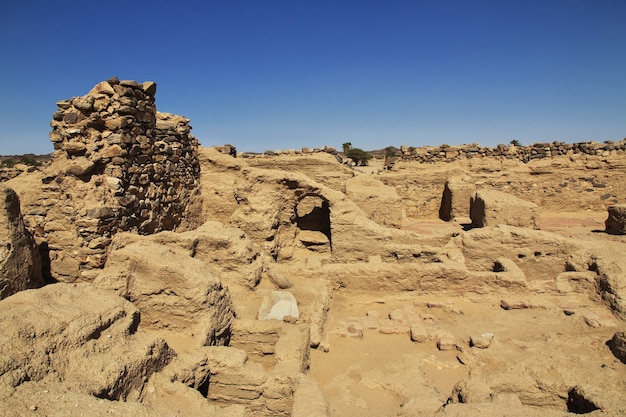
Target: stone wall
x: 20, y: 263
x: 118, y: 165
x: 447, y: 153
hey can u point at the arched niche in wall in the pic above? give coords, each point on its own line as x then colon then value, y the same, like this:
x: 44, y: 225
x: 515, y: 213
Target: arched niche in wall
x: 313, y: 221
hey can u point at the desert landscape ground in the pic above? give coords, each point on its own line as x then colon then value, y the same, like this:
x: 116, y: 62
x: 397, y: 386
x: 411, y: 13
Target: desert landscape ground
x: 143, y: 274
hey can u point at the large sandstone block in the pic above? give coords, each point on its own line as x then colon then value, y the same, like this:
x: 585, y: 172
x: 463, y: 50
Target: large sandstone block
x: 115, y: 151
x: 455, y: 200
x: 226, y: 251
x: 85, y: 337
x: 381, y: 202
x: 20, y: 262
x: 491, y: 207
x: 616, y: 222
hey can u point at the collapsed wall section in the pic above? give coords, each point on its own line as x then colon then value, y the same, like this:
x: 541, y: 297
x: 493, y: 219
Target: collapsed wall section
x: 118, y: 165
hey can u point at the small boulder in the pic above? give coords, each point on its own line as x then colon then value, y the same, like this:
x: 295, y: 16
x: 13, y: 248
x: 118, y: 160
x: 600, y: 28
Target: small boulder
x: 278, y: 304
x: 482, y: 341
x: 278, y: 279
x: 615, y: 224
x: 421, y: 334
x: 80, y: 166
x: 446, y: 341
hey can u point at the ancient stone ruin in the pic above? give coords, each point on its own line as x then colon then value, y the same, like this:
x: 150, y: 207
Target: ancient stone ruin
x: 119, y: 165
x: 143, y: 274
x: 20, y: 262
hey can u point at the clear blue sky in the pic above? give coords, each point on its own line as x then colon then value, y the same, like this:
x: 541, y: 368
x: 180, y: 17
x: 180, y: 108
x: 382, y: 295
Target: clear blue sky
x: 280, y: 74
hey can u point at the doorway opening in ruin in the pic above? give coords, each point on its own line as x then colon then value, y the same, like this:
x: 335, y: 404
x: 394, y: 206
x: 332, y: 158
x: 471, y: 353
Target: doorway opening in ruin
x: 313, y: 215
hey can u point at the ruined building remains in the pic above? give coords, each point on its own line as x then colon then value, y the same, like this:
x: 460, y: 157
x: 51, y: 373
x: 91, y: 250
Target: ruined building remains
x: 118, y: 165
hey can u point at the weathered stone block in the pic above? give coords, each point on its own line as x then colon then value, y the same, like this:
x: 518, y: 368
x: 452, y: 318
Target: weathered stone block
x: 491, y: 207
x: 380, y: 202
x: 80, y: 166
x: 615, y: 224
x: 618, y: 346
x: 20, y: 263
x: 455, y: 201
x: 278, y: 304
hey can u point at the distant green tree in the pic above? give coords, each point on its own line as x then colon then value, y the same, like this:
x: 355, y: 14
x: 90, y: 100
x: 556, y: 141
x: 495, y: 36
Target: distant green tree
x: 7, y: 163
x: 359, y: 156
x: 346, y: 147
x: 516, y: 142
x: 390, y: 152
x: 27, y: 160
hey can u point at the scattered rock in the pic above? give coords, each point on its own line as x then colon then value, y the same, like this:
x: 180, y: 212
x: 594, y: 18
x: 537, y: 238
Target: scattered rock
x: 514, y: 305
x: 420, y: 333
x: 278, y: 304
x: 618, y: 346
x: 490, y: 207
x: 482, y: 341
x: 173, y: 290
x: 598, y: 319
x: 279, y: 279
x: 616, y: 222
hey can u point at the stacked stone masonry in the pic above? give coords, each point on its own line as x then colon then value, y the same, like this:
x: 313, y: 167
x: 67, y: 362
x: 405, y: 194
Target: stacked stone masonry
x: 446, y: 153
x: 118, y: 165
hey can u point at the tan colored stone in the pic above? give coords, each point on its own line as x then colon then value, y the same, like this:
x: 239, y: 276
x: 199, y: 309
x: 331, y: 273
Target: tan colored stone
x: 80, y: 166
x: 64, y: 331
x: 616, y: 222
x: 20, y: 261
x: 173, y: 290
x: 455, y: 200
x: 103, y: 88
x: 490, y: 208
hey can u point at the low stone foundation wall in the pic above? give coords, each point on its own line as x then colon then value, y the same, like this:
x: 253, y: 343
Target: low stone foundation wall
x: 446, y: 153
